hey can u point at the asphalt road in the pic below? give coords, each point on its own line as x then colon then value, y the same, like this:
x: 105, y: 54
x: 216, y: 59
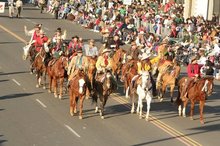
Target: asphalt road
x: 32, y: 117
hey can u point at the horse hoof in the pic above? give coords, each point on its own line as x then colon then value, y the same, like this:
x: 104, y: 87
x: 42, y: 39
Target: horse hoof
x: 60, y: 97
x: 171, y: 100
x: 202, y: 122
x: 44, y: 87
x: 140, y: 117
x: 191, y: 118
x: 71, y: 113
x: 37, y: 86
x: 184, y: 116
x: 102, y: 117
x: 31, y: 73
x: 132, y: 112
x: 161, y: 99
x: 80, y: 117
x: 55, y: 95
x: 147, y: 119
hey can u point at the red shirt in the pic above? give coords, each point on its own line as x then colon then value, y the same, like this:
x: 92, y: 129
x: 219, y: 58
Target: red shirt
x: 192, y: 70
x: 40, y: 42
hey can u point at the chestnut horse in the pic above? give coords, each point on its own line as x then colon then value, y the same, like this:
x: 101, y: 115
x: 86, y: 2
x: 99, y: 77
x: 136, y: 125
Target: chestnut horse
x: 91, y: 72
x: 117, y: 62
x: 197, y: 91
x: 40, y: 68
x: 169, y: 79
x: 77, y: 90
x: 102, y: 89
x: 56, y: 71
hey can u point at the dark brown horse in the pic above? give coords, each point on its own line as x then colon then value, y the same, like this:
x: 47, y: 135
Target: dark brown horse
x: 56, y: 71
x: 102, y: 89
x: 197, y: 92
x: 40, y: 68
x: 77, y: 90
x: 169, y: 79
x: 117, y: 62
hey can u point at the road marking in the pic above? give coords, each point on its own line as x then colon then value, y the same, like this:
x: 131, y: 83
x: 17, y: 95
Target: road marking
x: 16, y: 82
x: 173, y: 132
x: 73, y: 131
x: 41, y: 103
x: 13, y: 34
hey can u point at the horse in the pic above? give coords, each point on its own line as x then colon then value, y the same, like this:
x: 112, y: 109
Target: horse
x: 117, y: 62
x: 169, y: 78
x: 40, y: 68
x: 91, y: 72
x: 197, y: 92
x: 77, y: 90
x: 102, y: 88
x: 144, y: 91
x: 56, y: 71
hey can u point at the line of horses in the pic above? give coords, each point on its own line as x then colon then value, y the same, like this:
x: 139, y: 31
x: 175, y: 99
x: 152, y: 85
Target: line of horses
x: 85, y: 84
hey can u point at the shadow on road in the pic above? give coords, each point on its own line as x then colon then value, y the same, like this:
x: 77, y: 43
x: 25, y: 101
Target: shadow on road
x: 3, y: 81
x: 11, y: 96
x: 2, y: 141
x: 12, y: 73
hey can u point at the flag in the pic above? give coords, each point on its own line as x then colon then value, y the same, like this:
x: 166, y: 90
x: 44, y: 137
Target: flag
x: 2, y: 7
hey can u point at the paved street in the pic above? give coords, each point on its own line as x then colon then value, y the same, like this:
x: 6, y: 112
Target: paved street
x: 33, y: 117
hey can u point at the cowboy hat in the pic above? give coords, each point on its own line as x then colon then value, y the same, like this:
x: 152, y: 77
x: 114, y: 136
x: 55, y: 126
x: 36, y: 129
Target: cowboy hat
x: 106, y: 50
x: 130, y: 26
x: 141, y: 32
x: 194, y: 58
x: 145, y: 56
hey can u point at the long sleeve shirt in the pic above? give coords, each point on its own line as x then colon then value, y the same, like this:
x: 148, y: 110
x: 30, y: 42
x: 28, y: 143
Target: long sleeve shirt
x: 192, y: 70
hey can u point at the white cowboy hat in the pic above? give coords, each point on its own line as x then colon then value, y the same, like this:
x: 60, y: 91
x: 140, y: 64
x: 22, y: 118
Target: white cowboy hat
x: 106, y: 50
x: 145, y: 56
x: 130, y: 26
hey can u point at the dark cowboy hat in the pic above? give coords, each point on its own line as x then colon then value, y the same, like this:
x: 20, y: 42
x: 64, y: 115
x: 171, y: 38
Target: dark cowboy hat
x: 75, y: 37
x: 59, y: 29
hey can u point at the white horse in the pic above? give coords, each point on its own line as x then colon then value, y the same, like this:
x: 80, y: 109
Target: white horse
x: 144, y: 91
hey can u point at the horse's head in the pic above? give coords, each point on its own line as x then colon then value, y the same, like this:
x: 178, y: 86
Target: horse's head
x: 208, y: 85
x: 107, y: 82
x: 64, y: 61
x: 145, y: 78
x: 82, y: 82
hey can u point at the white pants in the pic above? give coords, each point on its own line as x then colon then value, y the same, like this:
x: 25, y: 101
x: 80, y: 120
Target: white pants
x: 11, y: 11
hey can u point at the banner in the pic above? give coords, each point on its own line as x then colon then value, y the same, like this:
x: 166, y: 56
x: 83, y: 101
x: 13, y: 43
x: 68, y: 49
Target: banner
x: 2, y: 7
x: 127, y: 2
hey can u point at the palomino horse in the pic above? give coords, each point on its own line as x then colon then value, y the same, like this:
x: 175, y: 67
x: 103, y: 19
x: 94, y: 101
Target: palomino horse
x: 197, y: 91
x: 117, y: 62
x: 40, y: 68
x: 56, y: 71
x: 102, y: 89
x: 144, y: 91
x: 77, y: 90
x: 169, y: 79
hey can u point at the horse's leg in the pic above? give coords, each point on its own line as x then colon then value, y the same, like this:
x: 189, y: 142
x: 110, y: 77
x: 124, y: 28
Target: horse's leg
x: 148, y: 101
x: 103, y: 105
x: 38, y: 79
x: 132, y: 103
x: 55, y: 87
x: 192, y: 109
x: 201, y: 106
x: 162, y: 91
x: 44, y: 76
x: 184, y: 107
x: 140, y: 106
x: 71, y: 103
x: 61, y: 88
x: 81, y: 106
x: 50, y: 84
x: 171, y: 92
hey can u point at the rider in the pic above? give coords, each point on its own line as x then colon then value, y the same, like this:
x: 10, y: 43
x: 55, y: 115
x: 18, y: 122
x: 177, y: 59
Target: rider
x: 90, y: 49
x: 193, y: 72
x: 59, y: 34
x: 103, y: 64
x: 78, y: 62
x: 40, y: 38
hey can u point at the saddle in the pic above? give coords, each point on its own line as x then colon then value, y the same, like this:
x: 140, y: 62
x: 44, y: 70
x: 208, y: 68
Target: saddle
x: 52, y: 62
x: 100, y: 77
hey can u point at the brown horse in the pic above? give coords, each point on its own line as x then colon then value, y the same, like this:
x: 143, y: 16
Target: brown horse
x: 102, y: 89
x: 91, y: 72
x: 117, y: 62
x: 169, y: 79
x: 77, y: 90
x: 197, y: 91
x: 40, y: 68
x: 29, y: 52
x: 56, y: 71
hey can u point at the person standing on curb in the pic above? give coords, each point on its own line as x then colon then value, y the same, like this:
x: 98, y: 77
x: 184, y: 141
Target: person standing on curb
x: 41, y: 5
x: 18, y: 5
x: 11, y: 8
x: 56, y: 8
